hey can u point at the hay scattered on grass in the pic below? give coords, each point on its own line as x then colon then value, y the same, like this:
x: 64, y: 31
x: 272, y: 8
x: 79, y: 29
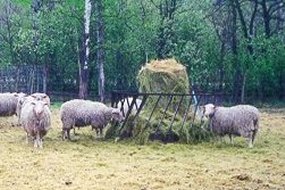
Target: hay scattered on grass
x: 142, y: 131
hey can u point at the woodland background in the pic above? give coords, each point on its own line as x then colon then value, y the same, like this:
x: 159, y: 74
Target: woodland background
x: 90, y: 47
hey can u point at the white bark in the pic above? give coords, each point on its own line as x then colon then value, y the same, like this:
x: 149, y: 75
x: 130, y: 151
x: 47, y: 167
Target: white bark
x: 87, y: 15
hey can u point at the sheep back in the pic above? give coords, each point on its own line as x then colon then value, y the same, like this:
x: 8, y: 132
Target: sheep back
x: 81, y: 113
x: 8, y: 103
x: 238, y: 120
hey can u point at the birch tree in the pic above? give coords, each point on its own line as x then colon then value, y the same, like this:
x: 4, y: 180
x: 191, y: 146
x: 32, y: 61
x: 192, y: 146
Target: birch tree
x: 84, y: 57
x: 100, y: 56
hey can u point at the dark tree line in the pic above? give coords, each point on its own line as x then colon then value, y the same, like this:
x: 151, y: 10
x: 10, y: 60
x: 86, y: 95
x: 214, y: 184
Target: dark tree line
x: 230, y: 46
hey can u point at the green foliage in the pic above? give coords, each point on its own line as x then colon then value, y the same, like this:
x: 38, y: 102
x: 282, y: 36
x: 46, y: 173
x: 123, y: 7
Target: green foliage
x: 136, y: 32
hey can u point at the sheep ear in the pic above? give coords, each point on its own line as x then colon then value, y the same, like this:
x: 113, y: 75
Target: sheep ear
x: 33, y: 103
x: 15, y: 94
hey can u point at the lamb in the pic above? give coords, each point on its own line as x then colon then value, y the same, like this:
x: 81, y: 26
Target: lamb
x: 125, y: 104
x: 8, y: 103
x: 240, y: 120
x: 82, y: 113
x: 36, y: 120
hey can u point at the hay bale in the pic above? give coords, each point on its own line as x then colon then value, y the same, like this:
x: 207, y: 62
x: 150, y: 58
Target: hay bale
x: 164, y: 76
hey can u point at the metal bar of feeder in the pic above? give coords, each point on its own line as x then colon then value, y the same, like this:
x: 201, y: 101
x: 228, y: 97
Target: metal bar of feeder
x: 128, y: 113
x: 198, y: 102
x: 130, y: 105
x: 176, y: 111
x: 164, y: 112
x: 186, y: 112
x: 195, y: 110
x: 156, y: 103
x: 141, y: 106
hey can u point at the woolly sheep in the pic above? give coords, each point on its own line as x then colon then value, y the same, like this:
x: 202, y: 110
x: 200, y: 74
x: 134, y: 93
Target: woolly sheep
x: 239, y: 120
x: 36, y: 120
x: 35, y: 96
x: 41, y: 96
x: 8, y: 103
x: 82, y: 113
x: 125, y: 104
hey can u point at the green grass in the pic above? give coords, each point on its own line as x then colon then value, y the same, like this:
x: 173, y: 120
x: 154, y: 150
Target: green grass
x: 90, y: 163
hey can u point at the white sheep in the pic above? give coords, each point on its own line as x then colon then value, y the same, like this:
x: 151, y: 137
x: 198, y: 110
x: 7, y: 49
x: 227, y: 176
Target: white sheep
x: 36, y: 120
x: 35, y: 96
x: 240, y: 120
x: 80, y: 113
x: 124, y: 105
x: 8, y: 103
x: 41, y: 96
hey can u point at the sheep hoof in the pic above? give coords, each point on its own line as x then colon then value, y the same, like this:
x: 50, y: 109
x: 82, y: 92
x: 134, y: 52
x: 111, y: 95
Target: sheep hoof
x: 117, y: 139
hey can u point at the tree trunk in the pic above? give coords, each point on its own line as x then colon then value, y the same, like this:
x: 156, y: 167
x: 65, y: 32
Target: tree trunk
x: 266, y: 18
x: 237, y: 69
x: 84, y: 53
x: 45, y: 76
x: 221, y: 69
x: 100, y: 56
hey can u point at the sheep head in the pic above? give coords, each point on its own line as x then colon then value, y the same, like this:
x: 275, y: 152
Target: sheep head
x: 38, y: 108
x: 208, y: 110
x: 117, y: 115
x: 19, y: 95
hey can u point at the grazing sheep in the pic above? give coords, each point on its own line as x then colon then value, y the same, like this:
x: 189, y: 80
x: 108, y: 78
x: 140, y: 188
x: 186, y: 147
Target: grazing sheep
x: 82, y: 113
x: 125, y: 104
x: 36, y: 120
x: 240, y: 120
x: 8, y: 103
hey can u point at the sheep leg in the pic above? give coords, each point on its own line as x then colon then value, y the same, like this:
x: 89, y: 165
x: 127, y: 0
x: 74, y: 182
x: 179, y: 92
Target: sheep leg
x: 68, y: 134
x: 97, y: 131
x: 253, y: 136
x: 250, y: 140
x: 231, y: 138
x: 101, y: 131
x: 40, y: 142
x: 74, y: 133
x: 36, y: 141
x: 27, y: 138
x: 63, y: 134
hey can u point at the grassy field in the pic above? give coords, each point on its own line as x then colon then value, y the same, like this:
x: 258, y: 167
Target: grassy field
x: 89, y: 163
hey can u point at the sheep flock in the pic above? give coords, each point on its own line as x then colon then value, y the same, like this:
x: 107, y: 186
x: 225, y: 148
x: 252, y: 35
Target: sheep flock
x: 34, y: 116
